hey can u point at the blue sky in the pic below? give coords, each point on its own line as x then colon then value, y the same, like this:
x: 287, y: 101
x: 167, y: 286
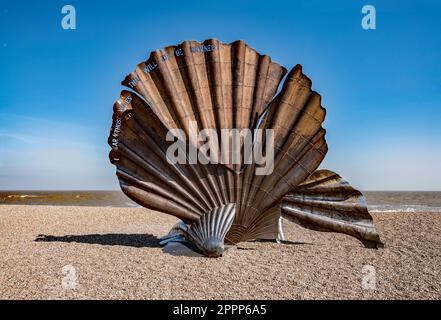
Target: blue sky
x: 381, y: 87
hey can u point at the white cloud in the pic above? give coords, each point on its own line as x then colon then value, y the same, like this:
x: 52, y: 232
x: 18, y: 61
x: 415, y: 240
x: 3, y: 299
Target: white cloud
x: 41, y: 154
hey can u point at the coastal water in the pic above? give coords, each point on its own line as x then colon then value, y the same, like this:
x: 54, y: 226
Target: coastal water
x: 67, y: 198
x: 403, y: 201
x: 378, y: 201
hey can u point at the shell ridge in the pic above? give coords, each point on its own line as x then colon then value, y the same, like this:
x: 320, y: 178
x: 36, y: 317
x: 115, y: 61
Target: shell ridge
x: 209, y: 236
x: 152, y: 166
x: 159, y: 190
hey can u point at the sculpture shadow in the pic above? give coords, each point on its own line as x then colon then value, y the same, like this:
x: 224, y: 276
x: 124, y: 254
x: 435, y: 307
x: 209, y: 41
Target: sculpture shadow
x: 297, y: 243
x: 287, y: 242
x: 111, y: 239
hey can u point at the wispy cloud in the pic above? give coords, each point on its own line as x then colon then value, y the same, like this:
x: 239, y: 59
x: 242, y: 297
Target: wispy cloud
x: 43, y: 154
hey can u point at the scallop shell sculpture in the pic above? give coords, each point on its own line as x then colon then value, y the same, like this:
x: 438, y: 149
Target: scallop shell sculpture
x: 218, y: 86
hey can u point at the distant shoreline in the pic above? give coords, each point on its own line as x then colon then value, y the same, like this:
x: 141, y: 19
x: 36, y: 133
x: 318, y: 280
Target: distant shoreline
x: 378, y: 201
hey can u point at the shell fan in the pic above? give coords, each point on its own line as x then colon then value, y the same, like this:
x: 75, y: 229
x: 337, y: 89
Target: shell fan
x: 216, y: 87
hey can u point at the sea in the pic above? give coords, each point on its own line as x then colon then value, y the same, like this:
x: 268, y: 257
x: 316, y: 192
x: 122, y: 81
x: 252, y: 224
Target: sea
x: 378, y: 201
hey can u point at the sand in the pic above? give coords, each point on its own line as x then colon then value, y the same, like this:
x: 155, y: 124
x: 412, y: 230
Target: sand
x: 50, y: 252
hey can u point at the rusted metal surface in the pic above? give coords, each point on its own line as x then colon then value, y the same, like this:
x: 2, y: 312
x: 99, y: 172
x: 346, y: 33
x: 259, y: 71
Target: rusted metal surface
x: 327, y: 202
x: 225, y: 86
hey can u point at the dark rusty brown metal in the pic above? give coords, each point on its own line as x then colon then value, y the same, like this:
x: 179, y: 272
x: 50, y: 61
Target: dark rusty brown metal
x: 225, y: 86
x: 327, y: 202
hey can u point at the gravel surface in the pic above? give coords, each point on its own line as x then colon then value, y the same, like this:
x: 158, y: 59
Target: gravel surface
x: 50, y: 252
